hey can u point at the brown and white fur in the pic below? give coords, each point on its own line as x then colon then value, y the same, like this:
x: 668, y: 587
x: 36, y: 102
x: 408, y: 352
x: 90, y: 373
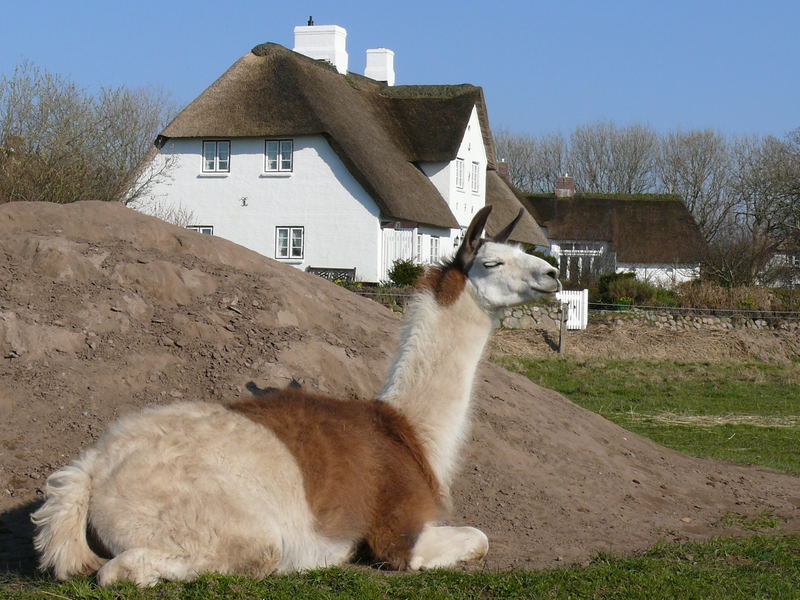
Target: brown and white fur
x: 292, y: 480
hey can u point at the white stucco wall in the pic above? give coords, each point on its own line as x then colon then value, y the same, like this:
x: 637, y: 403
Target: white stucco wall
x: 661, y: 274
x: 340, y: 220
x: 463, y: 202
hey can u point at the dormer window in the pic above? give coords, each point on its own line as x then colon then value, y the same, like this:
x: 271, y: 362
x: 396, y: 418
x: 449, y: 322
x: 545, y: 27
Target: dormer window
x: 216, y: 156
x: 460, y: 173
x: 278, y: 156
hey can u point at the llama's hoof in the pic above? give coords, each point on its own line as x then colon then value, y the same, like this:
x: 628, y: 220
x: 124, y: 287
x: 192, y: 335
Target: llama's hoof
x: 446, y: 546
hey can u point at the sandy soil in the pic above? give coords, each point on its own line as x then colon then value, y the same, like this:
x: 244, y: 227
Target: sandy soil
x: 104, y: 311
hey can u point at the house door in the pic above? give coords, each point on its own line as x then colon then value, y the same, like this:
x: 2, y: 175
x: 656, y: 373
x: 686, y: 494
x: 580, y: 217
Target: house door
x: 398, y: 244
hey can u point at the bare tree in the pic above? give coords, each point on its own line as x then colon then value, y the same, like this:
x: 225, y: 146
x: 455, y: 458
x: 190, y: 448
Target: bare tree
x: 779, y: 164
x: 59, y: 143
x: 759, y: 184
x: 696, y: 166
x: 763, y: 219
x: 613, y: 160
x: 534, y: 162
x: 738, y: 256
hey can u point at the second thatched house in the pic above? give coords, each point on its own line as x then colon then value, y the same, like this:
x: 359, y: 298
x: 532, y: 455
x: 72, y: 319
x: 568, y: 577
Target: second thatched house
x: 654, y: 236
x: 290, y: 154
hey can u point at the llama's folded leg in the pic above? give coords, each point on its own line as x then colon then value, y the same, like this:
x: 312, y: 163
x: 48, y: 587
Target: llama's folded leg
x: 146, y: 567
x: 446, y: 546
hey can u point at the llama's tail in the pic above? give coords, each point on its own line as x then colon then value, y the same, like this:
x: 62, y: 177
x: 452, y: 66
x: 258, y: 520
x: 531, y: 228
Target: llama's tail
x: 61, y: 522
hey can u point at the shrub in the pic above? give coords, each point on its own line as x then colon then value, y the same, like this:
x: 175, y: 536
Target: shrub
x: 709, y: 294
x: 630, y: 288
x: 624, y: 288
x: 604, y: 282
x: 666, y: 297
x: 405, y: 272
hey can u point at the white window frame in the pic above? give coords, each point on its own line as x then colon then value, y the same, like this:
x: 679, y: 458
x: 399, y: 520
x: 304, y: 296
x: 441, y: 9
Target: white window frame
x: 287, y: 253
x: 476, y: 177
x: 284, y: 156
x: 460, y: 173
x: 217, y: 166
x: 204, y: 229
x: 435, y: 246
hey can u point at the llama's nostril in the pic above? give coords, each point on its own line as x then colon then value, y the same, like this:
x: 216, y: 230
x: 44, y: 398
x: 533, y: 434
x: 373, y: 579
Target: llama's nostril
x: 553, y: 274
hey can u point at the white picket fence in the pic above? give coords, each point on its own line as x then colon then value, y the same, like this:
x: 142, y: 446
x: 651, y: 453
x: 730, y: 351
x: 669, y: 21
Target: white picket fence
x: 578, y: 311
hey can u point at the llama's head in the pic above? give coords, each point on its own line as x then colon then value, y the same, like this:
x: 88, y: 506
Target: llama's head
x: 499, y: 273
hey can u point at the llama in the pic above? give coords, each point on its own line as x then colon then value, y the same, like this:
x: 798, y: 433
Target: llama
x: 293, y: 480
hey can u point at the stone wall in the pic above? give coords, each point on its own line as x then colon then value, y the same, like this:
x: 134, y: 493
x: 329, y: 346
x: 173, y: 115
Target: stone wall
x: 677, y: 322
x: 548, y: 317
x: 531, y: 317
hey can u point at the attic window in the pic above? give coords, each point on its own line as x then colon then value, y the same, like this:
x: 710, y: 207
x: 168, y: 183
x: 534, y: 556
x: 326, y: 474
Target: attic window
x: 216, y: 156
x: 475, y: 177
x: 278, y: 155
x: 460, y: 173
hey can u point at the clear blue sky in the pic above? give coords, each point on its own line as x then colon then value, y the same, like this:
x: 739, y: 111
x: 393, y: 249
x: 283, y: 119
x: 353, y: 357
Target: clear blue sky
x: 545, y: 67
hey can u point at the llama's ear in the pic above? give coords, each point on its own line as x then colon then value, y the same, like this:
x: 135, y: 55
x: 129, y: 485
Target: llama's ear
x: 472, y: 239
x: 502, y: 237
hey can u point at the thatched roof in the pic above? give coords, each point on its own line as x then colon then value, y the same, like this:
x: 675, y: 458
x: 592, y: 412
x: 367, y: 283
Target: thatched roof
x: 640, y: 230
x: 378, y: 131
x: 506, y: 207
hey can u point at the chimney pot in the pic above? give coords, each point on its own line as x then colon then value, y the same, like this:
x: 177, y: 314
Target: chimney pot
x: 326, y: 42
x: 502, y: 168
x: 380, y: 65
x: 565, y: 187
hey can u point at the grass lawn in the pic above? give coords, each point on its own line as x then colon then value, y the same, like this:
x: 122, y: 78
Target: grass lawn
x: 743, y: 412
x: 724, y: 569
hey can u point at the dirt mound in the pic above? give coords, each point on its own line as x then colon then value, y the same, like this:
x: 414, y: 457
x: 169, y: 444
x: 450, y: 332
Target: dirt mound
x: 104, y: 311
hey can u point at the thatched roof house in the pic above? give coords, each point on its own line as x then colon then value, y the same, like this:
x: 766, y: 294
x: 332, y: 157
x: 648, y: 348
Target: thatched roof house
x: 658, y: 229
x: 655, y: 232
x: 381, y: 133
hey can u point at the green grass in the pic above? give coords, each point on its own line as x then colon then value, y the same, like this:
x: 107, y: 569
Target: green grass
x: 766, y: 520
x: 746, y: 412
x: 744, y: 568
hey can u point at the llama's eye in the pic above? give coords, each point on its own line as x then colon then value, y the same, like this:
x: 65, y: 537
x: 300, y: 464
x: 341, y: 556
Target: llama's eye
x: 492, y: 264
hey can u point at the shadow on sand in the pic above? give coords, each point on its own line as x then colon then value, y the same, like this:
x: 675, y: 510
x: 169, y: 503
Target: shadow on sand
x: 16, y: 540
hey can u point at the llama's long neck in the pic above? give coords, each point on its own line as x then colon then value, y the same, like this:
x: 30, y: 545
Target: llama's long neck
x: 430, y: 380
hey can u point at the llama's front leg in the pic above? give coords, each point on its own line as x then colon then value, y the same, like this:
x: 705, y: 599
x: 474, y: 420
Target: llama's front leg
x: 446, y: 546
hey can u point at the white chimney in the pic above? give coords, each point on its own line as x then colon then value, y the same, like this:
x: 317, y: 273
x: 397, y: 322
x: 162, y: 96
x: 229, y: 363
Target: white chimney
x: 326, y: 42
x: 380, y: 65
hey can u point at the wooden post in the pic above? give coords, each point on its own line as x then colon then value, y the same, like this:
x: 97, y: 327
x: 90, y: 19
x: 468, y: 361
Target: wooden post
x: 562, y: 333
